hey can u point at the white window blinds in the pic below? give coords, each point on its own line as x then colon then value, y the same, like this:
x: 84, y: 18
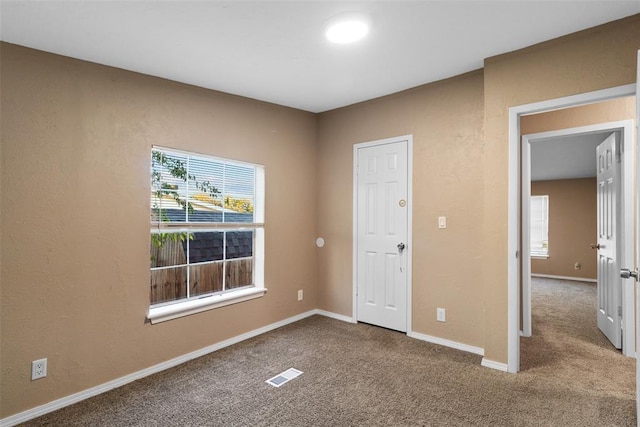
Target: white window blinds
x: 539, y: 221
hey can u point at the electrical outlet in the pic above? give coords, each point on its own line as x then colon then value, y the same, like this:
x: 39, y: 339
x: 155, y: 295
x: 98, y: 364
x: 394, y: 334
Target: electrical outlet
x: 441, y: 315
x: 38, y: 369
x: 300, y: 295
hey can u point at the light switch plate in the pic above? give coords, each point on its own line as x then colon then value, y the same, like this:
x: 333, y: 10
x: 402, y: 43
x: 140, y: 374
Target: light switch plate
x: 442, y: 222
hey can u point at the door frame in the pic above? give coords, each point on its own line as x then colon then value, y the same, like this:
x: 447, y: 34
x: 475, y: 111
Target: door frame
x: 636, y: 261
x: 409, y: 250
x: 624, y: 233
x: 514, y: 198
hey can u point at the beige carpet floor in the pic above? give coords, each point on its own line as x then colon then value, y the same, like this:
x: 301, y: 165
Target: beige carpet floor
x: 566, y: 342
x: 361, y: 375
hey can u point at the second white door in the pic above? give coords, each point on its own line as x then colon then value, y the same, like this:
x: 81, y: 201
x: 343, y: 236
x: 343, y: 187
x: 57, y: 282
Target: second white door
x: 382, y: 246
x: 609, y: 282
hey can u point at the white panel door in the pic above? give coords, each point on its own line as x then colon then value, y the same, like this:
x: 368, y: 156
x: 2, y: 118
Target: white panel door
x: 609, y: 281
x: 382, y: 248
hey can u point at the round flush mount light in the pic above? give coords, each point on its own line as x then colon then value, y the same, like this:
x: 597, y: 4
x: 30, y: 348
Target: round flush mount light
x: 346, y: 28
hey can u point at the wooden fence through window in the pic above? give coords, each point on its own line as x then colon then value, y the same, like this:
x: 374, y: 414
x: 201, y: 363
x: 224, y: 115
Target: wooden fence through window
x: 170, y: 284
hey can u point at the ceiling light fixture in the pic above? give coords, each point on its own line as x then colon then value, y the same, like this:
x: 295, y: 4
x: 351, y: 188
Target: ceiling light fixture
x: 345, y: 29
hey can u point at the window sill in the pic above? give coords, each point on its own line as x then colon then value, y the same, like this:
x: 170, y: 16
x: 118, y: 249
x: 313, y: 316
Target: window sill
x: 186, y: 308
x: 539, y: 256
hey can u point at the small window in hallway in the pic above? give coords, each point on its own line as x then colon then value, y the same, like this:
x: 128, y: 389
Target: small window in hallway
x: 539, y: 233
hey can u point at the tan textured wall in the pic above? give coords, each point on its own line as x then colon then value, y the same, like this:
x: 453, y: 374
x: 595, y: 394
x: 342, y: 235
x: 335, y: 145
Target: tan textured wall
x: 572, y: 227
x: 594, y: 59
x: 76, y: 141
x: 445, y: 120
x: 601, y: 112
x: 74, y: 220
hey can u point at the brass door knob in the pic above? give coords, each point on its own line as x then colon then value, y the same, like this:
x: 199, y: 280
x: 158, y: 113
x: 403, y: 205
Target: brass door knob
x: 595, y: 246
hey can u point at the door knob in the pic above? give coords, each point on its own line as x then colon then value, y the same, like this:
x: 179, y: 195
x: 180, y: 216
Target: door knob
x: 595, y: 246
x: 626, y: 273
x: 401, y: 247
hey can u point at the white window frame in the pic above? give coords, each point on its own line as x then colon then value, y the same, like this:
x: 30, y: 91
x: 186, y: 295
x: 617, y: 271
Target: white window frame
x: 175, y: 309
x: 542, y: 252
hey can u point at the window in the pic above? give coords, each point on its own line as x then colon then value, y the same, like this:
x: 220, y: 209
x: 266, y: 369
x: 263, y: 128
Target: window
x: 539, y: 222
x: 207, y: 233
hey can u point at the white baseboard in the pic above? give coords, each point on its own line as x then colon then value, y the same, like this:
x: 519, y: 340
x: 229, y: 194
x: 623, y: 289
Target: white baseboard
x: 431, y: 339
x: 415, y: 335
x: 118, y: 382
x: 494, y: 365
x: 335, y: 316
x: 446, y: 343
x: 577, y: 279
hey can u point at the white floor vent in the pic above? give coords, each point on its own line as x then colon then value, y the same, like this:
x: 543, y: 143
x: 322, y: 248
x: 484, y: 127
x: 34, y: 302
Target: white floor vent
x: 284, y: 377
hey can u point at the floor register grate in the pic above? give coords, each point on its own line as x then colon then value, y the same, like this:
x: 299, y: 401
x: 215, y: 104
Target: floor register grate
x: 284, y: 377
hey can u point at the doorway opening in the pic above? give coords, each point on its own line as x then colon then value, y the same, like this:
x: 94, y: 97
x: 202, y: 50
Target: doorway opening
x: 514, y: 201
x: 563, y: 162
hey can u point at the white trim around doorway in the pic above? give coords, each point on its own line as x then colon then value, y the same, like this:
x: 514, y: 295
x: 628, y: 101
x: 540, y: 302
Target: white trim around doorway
x: 514, y: 195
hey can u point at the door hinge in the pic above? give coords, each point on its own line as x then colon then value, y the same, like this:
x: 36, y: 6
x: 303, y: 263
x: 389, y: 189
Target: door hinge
x: 619, y: 311
x: 517, y: 253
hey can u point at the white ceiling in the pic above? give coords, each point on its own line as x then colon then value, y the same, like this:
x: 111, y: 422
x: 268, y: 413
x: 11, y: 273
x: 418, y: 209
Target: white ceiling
x: 276, y: 52
x: 566, y: 157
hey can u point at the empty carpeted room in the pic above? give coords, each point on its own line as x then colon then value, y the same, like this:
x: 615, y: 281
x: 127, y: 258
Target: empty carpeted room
x: 318, y: 213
